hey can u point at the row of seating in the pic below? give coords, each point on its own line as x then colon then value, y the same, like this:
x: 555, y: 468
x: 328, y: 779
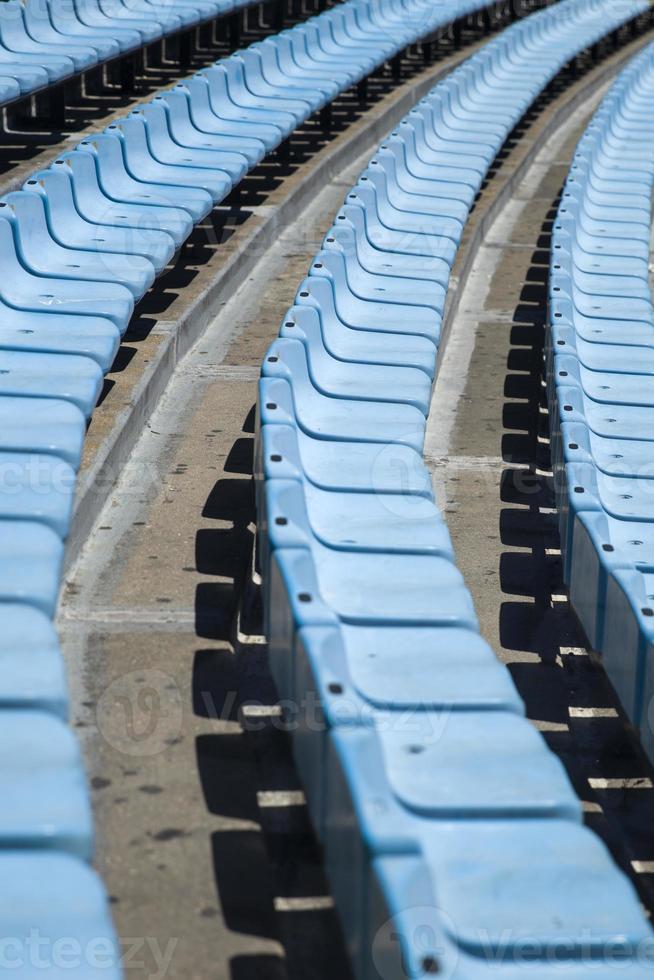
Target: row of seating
x: 45, y: 42
x: 80, y: 244
x: 600, y: 360
x: 453, y: 840
x: 84, y: 240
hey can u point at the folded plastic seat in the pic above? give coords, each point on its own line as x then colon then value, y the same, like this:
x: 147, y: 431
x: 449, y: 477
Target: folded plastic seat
x: 42, y: 254
x: 355, y: 675
x: 37, y: 487
x: 352, y: 379
x: 355, y: 522
x: 284, y: 451
x: 68, y: 376
x: 42, y: 425
x: 52, y: 333
x: 65, y: 19
x: 14, y: 37
x: 32, y: 671
x: 419, y: 919
x: 100, y: 201
x: 31, y: 561
x: 46, y: 802
x: 61, y: 900
x: 183, y: 131
x: 70, y: 229
x: 212, y: 114
x: 124, y: 180
x: 164, y: 149
x: 25, y: 290
x: 144, y: 166
x: 311, y: 584
x: 38, y: 23
x: 339, y: 418
x: 364, y: 338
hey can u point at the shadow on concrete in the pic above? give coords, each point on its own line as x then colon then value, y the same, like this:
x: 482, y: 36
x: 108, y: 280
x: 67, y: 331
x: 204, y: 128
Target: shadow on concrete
x: 266, y: 856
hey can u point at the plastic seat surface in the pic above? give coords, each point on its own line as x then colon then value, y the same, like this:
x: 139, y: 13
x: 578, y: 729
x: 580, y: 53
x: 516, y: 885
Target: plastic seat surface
x: 60, y: 898
x: 32, y: 671
x: 46, y: 803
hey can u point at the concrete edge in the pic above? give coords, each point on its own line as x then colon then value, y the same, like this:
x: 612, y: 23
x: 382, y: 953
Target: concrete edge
x: 98, y: 481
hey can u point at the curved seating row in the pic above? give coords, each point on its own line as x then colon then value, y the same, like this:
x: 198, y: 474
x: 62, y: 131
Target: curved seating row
x: 84, y: 239
x: 80, y: 244
x: 44, y: 42
x: 600, y: 361
x: 453, y: 840
x: 47, y: 41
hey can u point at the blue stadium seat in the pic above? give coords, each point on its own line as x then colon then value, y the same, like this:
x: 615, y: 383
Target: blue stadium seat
x: 101, y: 202
x: 600, y: 358
x: 22, y: 29
x: 31, y: 666
x: 37, y: 486
x: 42, y: 425
x: 64, y: 17
x: 67, y: 376
x: 68, y: 227
x: 54, y: 333
x: 365, y: 609
x: 352, y: 675
x: 368, y: 623
x: 54, y: 911
x: 33, y: 289
x: 376, y: 336
x: 138, y: 186
x: 45, y: 801
x: 31, y: 558
x: 334, y: 376
x: 42, y: 254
